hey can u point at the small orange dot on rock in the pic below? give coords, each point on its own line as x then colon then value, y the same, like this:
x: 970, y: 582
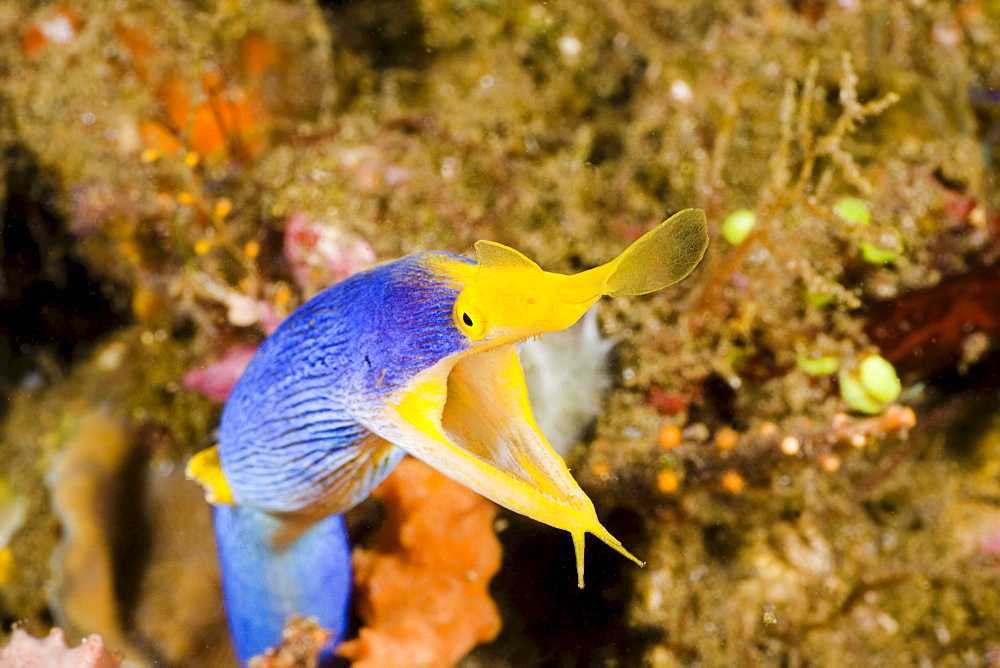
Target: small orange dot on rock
x: 223, y: 207
x: 829, y: 462
x: 906, y: 417
x: 733, y: 482
x: 726, y: 438
x: 767, y: 430
x: 667, y: 482
x: 600, y: 469
x: 33, y: 40
x: 670, y: 437
x: 283, y: 295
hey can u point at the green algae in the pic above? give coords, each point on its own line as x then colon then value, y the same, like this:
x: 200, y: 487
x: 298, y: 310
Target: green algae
x: 737, y: 226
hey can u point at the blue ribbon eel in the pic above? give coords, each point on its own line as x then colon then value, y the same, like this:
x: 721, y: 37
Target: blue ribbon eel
x: 418, y: 356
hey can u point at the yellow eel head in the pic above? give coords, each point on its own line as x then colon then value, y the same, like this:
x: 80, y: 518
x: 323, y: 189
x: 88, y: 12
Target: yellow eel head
x: 468, y: 414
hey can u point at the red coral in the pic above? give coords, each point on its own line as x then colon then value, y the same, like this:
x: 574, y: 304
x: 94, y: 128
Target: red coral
x: 219, y: 117
x: 665, y: 402
x: 422, y: 588
x: 924, y: 331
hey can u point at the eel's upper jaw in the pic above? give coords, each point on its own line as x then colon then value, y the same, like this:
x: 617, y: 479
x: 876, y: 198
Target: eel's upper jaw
x: 506, y: 297
x: 470, y: 418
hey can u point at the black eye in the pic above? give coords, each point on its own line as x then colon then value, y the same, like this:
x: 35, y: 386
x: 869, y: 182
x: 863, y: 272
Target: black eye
x: 466, y: 319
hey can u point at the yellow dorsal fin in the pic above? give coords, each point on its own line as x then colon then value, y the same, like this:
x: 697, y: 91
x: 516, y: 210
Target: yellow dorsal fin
x: 491, y: 255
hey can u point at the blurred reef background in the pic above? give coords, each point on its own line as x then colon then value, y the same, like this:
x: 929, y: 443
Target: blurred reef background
x: 802, y: 439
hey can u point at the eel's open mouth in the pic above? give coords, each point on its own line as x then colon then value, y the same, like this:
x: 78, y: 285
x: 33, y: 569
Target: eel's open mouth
x: 487, y: 414
x: 470, y: 418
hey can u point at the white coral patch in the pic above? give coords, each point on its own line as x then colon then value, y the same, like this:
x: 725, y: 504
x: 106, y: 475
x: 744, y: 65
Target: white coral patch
x: 567, y: 376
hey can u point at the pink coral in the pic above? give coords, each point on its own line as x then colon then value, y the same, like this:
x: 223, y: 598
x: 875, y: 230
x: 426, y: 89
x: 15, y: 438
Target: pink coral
x: 26, y: 651
x: 991, y: 546
x: 320, y: 254
x: 423, y: 587
x: 216, y: 380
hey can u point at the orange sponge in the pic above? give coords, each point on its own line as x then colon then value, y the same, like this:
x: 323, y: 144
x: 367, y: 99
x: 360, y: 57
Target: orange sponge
x: 422, y: 586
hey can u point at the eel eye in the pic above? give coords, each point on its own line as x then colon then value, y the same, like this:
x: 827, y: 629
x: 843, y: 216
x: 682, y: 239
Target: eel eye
x: 470, y: 321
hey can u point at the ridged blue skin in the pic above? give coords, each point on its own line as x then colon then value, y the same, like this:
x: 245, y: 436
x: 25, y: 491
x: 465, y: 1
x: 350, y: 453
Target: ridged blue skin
x: 311, y: 577
x: 291, y: 446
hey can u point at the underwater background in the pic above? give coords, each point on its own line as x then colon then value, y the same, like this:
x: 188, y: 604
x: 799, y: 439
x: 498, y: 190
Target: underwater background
x: 801, y: 440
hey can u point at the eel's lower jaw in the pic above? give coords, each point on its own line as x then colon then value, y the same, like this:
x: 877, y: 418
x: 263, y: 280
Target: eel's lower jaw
x: 470, y: 419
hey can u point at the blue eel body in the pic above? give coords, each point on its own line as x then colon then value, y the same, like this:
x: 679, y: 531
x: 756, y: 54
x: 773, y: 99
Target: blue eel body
x: 294, y: 453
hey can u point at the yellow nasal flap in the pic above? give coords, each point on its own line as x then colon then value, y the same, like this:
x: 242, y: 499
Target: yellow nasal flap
x: 661, y: 257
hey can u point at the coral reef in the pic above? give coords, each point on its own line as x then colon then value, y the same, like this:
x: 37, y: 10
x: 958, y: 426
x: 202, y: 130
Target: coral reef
x: 176, y: 605
x: 177, y: 177
x: 422, y: 582
x: 844, y: 580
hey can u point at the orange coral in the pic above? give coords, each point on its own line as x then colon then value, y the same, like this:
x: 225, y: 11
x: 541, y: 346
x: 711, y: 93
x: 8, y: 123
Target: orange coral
x: 61, y: 28
x: 422, y: 587
x: 231, y: 118
x: 218, y: 116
